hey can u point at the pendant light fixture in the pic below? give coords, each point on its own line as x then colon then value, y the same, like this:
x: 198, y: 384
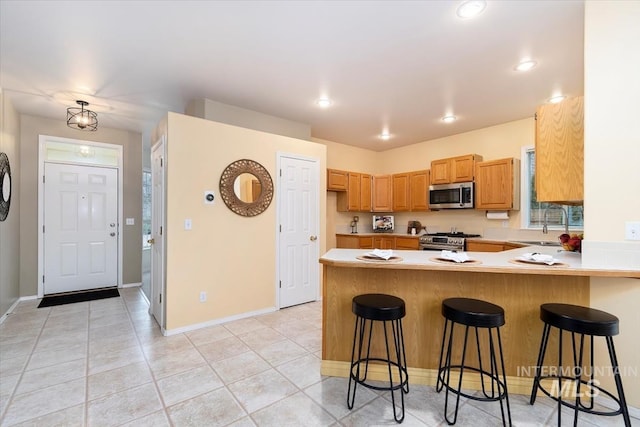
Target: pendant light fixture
x: 81, y: 118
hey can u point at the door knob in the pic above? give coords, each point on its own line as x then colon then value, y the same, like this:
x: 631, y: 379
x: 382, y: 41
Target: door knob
x: 151, y: 241
x: 313, y: 238
x: 112, y: 224
x: 112, y: 234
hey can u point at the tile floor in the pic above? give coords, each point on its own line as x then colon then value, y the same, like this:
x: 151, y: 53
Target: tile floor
x: 105, y: 363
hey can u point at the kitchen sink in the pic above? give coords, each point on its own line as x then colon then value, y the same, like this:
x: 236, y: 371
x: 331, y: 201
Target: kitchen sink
x: 539, y: 242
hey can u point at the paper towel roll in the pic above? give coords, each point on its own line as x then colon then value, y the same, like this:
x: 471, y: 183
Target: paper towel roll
x: 497, y: 215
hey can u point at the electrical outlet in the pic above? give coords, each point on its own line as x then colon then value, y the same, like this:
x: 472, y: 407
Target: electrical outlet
x: 632, y: 230
x: 187, y: 224
x: 203, y: 296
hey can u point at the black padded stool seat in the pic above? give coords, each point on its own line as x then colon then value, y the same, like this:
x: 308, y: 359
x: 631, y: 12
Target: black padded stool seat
x: 583, y: 320
x: 476, y: 314
x: 389, y: 310
x: 580, y: 321
x: 473, y: 312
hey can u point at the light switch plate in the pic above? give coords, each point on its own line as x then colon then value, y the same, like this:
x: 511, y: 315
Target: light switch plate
x: 130, y: 221
x: 187, y: 224
x: 632, y: 230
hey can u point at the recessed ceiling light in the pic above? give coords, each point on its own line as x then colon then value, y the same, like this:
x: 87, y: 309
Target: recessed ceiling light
x: 556, y: 99
x: 449, y: 119
x: 525, y: 65
x: 471, y: 8
x: 323, y: 102
x: 385, y: 136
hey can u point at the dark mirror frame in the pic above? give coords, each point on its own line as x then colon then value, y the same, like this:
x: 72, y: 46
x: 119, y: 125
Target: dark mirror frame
x: 5, y: 172
x: 228, y: 178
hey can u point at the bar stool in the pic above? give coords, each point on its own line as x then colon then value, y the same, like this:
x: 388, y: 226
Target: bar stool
x: 473, y: 313
x: 582, y: 321
x: 387, y: 309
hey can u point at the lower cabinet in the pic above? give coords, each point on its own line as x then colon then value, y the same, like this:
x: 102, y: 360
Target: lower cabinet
x: 477, y: 246
x: 344, y: 241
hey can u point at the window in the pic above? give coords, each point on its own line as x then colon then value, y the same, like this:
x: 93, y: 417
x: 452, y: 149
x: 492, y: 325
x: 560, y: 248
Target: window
x: 146, y: 209
x: 532, y: 212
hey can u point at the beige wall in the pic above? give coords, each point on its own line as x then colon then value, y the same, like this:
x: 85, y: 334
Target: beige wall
x: 612, y: 151
x: 10, y: 227
x: 232, y: 258
x: 30, y: 129
x: 495, y: 142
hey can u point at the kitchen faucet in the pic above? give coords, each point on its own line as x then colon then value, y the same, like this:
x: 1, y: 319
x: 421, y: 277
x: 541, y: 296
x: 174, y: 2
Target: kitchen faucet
x: 545, y: 229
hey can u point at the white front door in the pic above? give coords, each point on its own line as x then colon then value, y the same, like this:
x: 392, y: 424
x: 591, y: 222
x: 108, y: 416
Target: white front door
x: 299, y: 244
x: 80, y: 227
x: 157, y: 232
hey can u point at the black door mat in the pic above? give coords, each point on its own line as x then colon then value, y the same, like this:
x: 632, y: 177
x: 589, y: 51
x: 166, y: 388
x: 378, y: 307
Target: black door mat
x: 60, y: 299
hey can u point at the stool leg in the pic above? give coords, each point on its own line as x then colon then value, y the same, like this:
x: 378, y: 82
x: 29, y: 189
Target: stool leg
x: 400, y: 353
x: 494, y: 367
x: 398, y: 418
x: 578, y: 374
x: 446, y: 399
x: 480, y: 366
x: 440, y: 380
x: 543, y: 349
x: 559, y: 377
x: 361, y: 327
x: 616, y: 374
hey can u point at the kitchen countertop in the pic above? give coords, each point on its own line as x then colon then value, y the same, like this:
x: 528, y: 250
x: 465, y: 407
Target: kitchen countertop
x: 489, y: 262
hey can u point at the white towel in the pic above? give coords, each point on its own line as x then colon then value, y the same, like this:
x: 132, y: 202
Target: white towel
x: 382, y: 254
x: 541, y: 258
x: 455, y: 256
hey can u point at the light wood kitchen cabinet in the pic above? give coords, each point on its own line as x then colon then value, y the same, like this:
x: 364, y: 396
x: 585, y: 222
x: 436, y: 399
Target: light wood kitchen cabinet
x: 560, y: 152
x: 407, y: 243
x: 384, y: 242
x: 401, y: 192
x: 337, y: 180
x: 498, y: 184
x: 357, y: 198
x: 484, y: 246
x: 382, y: 193
x: 354, y: 242
x: 454, y: 169
x: 419, y: 190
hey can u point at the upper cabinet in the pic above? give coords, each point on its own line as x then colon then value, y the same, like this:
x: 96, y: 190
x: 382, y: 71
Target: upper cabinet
x: 401, y: 192
x: 419, y: 190
x: 357, y: 198
x: 454, y: 169
x: 337, y: 180
x: 381, y: 193
x: 498, y: 185
x: 560, y: 152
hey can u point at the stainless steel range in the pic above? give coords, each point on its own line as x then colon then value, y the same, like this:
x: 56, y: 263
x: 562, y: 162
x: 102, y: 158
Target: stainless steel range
x: 454, y: 241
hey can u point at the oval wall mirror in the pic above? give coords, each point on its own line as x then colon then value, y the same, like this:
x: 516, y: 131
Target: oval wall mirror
x: 246, y: 187
x: 5, y: 186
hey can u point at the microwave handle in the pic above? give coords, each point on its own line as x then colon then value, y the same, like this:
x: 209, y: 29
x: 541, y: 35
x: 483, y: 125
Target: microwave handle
x: 461, y: 200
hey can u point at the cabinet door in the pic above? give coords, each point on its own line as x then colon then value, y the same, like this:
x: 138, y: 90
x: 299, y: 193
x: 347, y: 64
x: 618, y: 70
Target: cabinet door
x: 463, y: 167
x: 336, y: 180
x: 419, y: 190
x: 365, y: 243
x: 354, y: 192
x: 407, y: 243
x: 496, y: 185
x: 560, y: 151
x: 380, y: 242
x: 400, y: 192
x: 441, y: 171
x: 382, y: 193
x: 365, y: 192
x: 347, y: 242
x: 484, y: 246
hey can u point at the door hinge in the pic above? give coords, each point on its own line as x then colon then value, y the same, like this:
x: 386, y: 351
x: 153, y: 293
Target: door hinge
x: 43, y: 228
x: 535, y: 116
x: 281, y: 228
x: 161, y: 162
x: 280, y: 172
x: 161, y: 230
x: 43, y: 278
x: 43, y: 179
x: 160, y: 298
x: 280, y: 284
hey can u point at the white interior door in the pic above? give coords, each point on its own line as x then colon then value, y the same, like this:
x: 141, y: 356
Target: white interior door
x: 299, y: 244
x: 157, y: 232
x: 80, y: 232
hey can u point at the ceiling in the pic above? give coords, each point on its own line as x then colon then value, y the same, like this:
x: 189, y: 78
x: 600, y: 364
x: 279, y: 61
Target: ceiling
x: 398, y: 66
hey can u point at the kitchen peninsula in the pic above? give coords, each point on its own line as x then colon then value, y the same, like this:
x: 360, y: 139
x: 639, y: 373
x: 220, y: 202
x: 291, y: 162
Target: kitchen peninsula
x: 424, y: 281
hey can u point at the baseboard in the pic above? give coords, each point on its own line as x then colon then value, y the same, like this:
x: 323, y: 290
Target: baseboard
x: 169, y: 332
x: 131, y: 285
x: 14, y: 305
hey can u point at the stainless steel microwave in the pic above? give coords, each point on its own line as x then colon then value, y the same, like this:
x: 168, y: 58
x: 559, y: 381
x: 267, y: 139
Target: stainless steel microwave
x: 451, y: 196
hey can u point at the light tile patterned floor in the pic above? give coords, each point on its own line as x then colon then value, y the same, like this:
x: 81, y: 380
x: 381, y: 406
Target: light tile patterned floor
x: 105, y: 363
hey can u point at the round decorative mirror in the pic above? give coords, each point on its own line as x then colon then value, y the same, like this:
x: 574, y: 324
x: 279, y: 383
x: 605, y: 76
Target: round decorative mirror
x: 5, y: 186
x: 246, y: 187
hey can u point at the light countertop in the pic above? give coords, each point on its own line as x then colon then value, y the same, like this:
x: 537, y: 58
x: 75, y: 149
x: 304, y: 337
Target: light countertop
x: 488, y: 262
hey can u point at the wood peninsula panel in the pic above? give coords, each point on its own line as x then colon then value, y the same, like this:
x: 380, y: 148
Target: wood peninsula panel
x: 423, y: 291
